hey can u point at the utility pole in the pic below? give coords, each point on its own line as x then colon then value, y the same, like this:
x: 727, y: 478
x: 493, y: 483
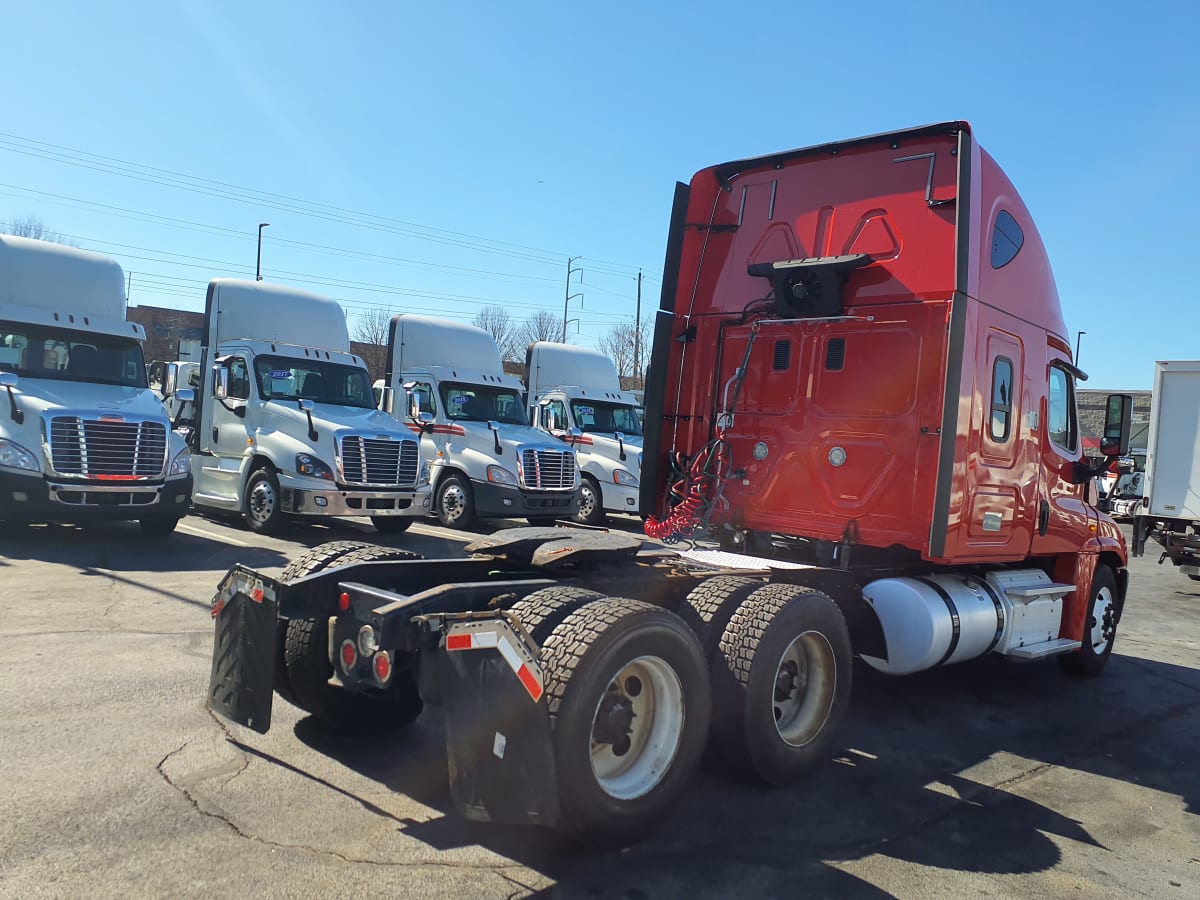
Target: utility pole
x: 567, y: 295
x: 258, y: 265
x: 637, y: 332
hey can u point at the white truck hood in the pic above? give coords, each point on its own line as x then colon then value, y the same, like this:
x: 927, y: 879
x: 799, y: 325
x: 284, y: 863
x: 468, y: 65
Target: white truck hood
x: 38, y: 396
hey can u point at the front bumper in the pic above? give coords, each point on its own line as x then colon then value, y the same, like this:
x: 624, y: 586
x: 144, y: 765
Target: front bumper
x: 619, y: 497
x: 347, y: 502
x: 33, y: 498
x: 497, y: 500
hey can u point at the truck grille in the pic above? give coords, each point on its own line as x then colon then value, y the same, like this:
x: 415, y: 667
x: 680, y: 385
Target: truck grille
x: 104, y: 448
x: 372, y: 461
x: 550, y: 470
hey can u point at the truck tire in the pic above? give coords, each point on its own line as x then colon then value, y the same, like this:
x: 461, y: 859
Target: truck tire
x: 543, y: 610
x: 391, y: 524
x: 783, y: 683
x: 313, y: 561
x: 158, y: 526
x: 591, y: 502
x: 455, y: 502
x: 1099, y: 628
x: 306, y: 658
x: 711, y: 604
x: 628, y: 697
x: 263, y: 506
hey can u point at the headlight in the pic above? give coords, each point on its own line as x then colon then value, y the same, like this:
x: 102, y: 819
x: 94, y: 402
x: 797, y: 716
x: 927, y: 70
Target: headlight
x: 14, y: 456
x: 313, y: 467
x: 620, y: 476
x: 501, y: 475
x: 423, y: 475
x: 181, y: 464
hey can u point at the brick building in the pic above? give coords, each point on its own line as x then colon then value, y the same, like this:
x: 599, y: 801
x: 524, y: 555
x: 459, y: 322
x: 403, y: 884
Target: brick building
x: 165, y: 328
x: 1091, y: 416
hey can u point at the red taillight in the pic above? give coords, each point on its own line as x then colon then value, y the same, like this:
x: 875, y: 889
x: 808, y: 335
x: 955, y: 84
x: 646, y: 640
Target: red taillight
x: 349, y: 655
x: 344, y: 602
x: 383, y: 667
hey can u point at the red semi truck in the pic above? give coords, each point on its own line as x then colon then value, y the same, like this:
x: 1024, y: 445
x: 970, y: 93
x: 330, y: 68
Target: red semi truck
x: 862, y: 386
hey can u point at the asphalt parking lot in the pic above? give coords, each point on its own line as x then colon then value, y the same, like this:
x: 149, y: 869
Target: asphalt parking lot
x: 987, y: 778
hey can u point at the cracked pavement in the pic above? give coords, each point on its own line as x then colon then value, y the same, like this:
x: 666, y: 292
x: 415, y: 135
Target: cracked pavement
x: 986, y: 777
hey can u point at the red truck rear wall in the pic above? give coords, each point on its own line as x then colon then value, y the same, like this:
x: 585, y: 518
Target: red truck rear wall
x: 906, y: 393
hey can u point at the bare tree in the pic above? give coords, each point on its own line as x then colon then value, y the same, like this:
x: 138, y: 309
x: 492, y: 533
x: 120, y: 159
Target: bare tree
x: 496, y: 321
x: 618, y: 345
x: 543, y: 325
x: 33, y: 227
x: 371, y: 335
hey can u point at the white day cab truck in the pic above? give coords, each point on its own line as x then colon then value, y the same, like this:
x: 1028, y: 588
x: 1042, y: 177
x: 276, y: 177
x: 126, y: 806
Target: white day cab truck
x: 1170, y: 507
x: 286, y: 425
x: 487, y: 461
x: 575, y: 394
x: 83, y: 437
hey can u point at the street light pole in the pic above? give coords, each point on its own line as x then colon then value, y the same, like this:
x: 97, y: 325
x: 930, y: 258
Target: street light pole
x: 258, y: 265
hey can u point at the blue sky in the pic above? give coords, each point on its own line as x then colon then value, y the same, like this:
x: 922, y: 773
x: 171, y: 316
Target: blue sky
x: 444, y: 156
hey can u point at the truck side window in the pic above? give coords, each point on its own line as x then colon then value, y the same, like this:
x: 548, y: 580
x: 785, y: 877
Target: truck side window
x: 1061, y: 423
x: 1002, y: 403
x: 239, y: 380
x: 424, y: 395
x: 560, y: 414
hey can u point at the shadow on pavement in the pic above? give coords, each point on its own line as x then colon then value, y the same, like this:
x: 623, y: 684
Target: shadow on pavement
x: 939, y: 769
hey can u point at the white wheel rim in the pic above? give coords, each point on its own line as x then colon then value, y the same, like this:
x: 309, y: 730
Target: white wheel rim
x: 262, y: 502
x: 1102, y: 612
x: 650, y: 689
x: 453, y: 501
x: 587, y: 501
x: 805, y: 683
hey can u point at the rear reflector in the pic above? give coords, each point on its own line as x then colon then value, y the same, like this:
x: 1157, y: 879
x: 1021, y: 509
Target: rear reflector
x: 383, y: 667
x: 349, y: 655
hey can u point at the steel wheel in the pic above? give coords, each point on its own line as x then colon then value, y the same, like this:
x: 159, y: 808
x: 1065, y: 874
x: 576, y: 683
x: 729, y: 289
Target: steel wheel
x: 637, y: 728
x: 262, y: 502
x: 1102, y: 621
x: 263, y: 510
x: 456, y: 506
x: 805, y: 682
x: 591, y: 503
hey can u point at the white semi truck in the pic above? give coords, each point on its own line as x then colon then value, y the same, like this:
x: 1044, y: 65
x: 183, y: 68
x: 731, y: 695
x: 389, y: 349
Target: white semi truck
x: 286, y: 424
x: 487, y: 461
x: 83, y: 436
x: 1170, y: 506
x: 573, y: 388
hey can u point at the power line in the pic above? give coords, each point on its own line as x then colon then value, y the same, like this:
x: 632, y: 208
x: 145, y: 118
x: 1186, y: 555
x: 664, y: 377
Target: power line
x: 282, y: 202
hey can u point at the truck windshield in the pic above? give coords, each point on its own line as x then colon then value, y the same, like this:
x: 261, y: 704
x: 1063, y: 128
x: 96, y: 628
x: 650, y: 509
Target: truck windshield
x: 480, y: 403
x: 43, y: 351
x: 606, y: 417
x: 283, y: 378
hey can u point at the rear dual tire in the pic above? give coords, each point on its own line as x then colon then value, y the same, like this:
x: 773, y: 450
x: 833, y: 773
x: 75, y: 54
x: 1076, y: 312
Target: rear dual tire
x: 303, y: 667
x: 628, y: 698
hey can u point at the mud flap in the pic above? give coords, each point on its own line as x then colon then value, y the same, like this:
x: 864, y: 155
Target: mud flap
x: 498, y: 739
x: 243, y: 667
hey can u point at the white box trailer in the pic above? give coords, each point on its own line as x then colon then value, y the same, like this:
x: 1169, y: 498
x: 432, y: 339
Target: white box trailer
x: 1171, y: 493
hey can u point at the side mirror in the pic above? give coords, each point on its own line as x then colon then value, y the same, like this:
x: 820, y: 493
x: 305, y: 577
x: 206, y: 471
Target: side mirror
x: 425, y: 418
x: 8, y: 379
x: 185, y: 395
x: 1118, y: 415
x: 620, y: 436
x: 305, y: 405
x: 575, y: 434
x: 493, y: 425
x: 168, y: 380
x: 220, y: 383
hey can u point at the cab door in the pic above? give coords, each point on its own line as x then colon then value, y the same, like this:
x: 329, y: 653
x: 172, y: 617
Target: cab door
x: 226, y: 435
x: 1062, y: 520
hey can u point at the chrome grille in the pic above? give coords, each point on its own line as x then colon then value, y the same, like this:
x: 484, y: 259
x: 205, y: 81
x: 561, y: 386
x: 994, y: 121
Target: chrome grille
x: 375, y: 461
x: 549, y: 470
x: 107, y: 448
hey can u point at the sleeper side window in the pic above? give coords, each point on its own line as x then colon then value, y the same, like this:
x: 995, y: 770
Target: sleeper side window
x: 1002, y: 402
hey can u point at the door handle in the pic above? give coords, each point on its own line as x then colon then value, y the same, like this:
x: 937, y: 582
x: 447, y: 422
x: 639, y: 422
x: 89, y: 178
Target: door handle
x: 1044, y: 517
x: 216, y: 433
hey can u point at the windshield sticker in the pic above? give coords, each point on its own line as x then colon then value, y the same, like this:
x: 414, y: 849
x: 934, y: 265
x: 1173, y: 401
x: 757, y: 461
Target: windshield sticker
x: 585, y: 410
x: 459, y: 400
x: 281, y: 373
